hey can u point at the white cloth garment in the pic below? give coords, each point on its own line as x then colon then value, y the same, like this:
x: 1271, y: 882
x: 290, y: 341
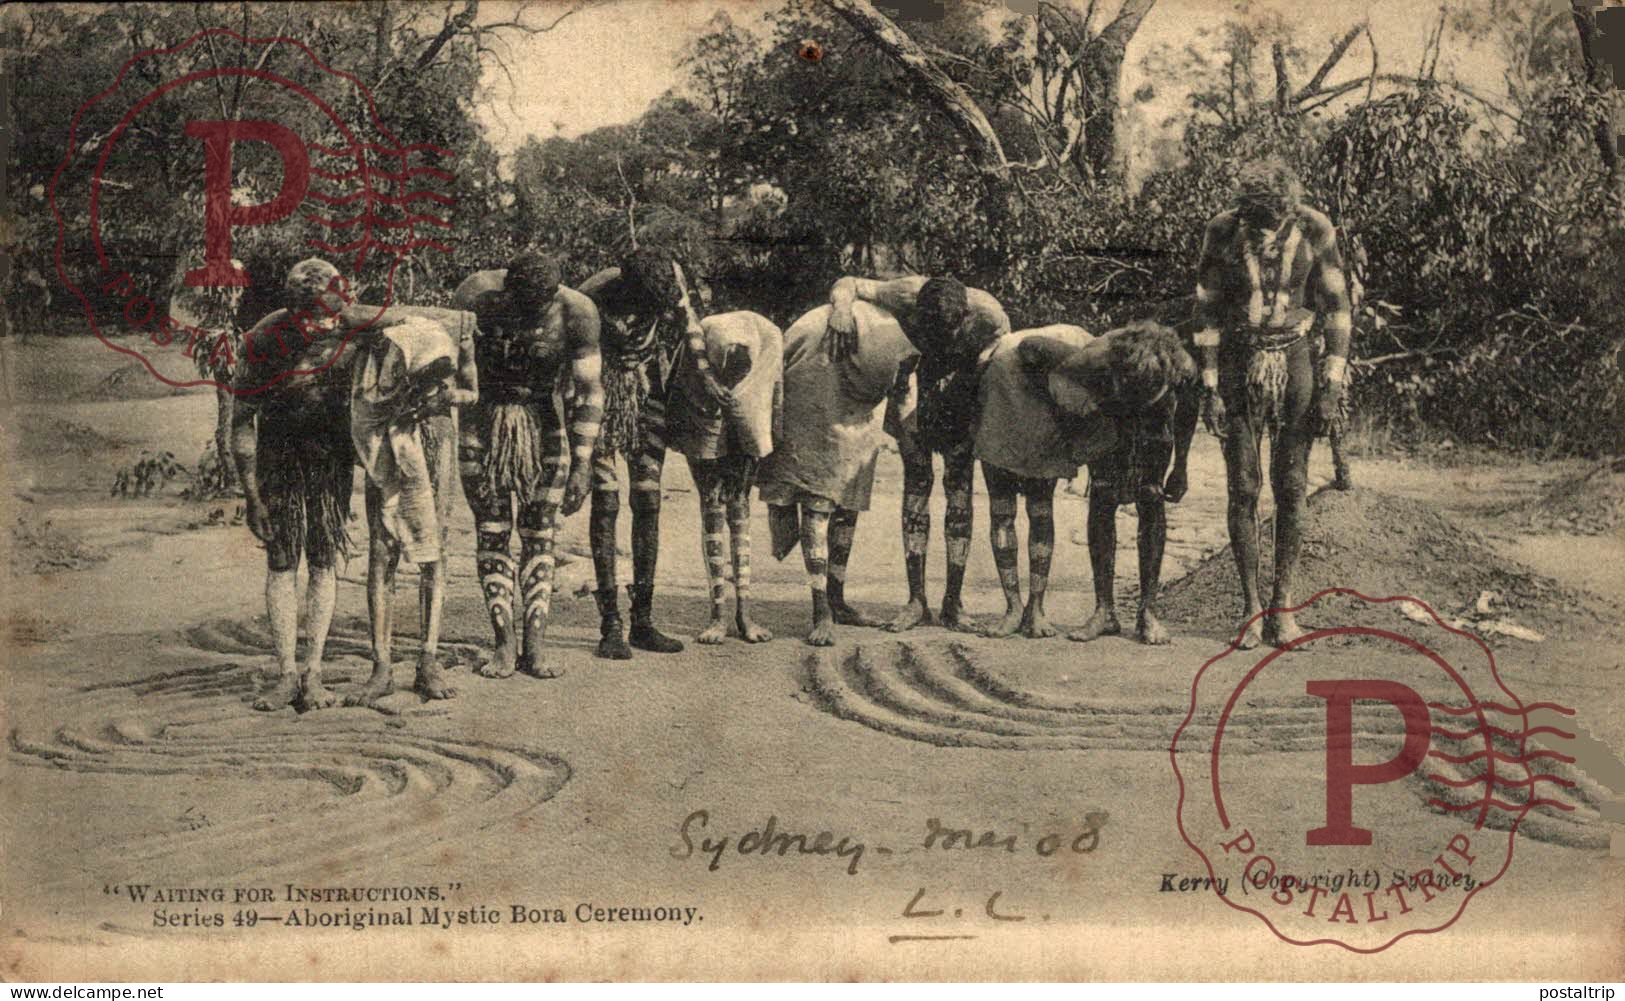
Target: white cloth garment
x: 834, y: 410
x: 1018, y: 426
x: 410, y: 353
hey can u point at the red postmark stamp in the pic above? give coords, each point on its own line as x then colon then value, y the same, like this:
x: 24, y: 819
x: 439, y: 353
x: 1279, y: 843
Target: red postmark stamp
x: 1358, y: 785
x: 264, y: 145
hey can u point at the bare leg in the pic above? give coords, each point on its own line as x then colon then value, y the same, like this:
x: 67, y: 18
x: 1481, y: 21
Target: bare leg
x: 1242, y: 473
x: 1288, y: 479
x: 431, y: 681
x: 814, y: 549
x: 713, y: 522
x: 1040, y: 547
x: 644, y: 473
x: 1102, y: 560
x: 843, y: 526
x: 739, y: 533
x: 493, y: 555
x: 1001, y: 507
x: 1153, y: 534
x: 383, y: 558
x: 606, y: 506
x: 1344, y: 479
x: 538, y: 524
x: 918, y: 479
x: 320, y: 595
x: 282, y: 608
x: 958, y: 481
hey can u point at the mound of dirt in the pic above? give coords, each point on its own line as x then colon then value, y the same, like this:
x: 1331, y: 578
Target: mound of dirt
x: 1383, y: 545
x: 1590, y: 503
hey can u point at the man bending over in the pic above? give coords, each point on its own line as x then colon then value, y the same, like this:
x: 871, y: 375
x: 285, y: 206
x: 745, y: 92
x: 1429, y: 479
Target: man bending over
x: 519, y: 448
x: 951, y: 326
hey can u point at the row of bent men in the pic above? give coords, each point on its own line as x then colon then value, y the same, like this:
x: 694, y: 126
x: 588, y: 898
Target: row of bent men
x: 536, y: 404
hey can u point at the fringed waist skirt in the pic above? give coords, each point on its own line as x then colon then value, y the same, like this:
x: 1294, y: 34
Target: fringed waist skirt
x: 525, y: 448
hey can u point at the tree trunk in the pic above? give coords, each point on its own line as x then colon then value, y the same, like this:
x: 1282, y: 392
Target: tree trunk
x: 998, y: 205
x: 1096, y: 156
x: 1283, y: 88
x: 380, y: 40
x: 951, y: 99
x: 1610, y: 123
x: 223, y: 402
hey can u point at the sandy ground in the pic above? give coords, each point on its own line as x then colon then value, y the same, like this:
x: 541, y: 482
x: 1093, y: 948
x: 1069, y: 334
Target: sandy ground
x: 134, y: 757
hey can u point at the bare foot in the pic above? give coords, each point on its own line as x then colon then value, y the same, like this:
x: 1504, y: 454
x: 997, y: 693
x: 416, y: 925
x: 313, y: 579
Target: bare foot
x: 846, y: 615
x: 953, y: 617
x: 534, y: 666
x: 1150, y: 631
x: 499, y: 663
x: 714, y: 633
x: 377, y: 686
x: 1254, y: 634
x: 432, y: 682
x: 314, y: 695
x: 1102, y: 623
x: 750, y: 632
x: 1035, y: 626
x: 1008, y: 625
x: 822, y: 634
x: 1174, y: 490
x: 913, y: 614
x: 1281, y: 629
x: 279, y: 695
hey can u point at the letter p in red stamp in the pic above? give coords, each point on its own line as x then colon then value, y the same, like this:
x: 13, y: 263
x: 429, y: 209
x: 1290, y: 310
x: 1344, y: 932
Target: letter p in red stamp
x: 1360, y: 784
x: 281, y: 158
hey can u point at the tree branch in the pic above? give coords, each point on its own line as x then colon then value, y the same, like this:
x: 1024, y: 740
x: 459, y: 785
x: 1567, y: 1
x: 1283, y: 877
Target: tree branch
x: 1283, y: 89
x: 1126, y: 23
x: 1399, y: 356
x: 1333, y: 57
x: 1585, y: 23
x: 1372, y: 41
x: 963, y: 113
x: 454, y: 24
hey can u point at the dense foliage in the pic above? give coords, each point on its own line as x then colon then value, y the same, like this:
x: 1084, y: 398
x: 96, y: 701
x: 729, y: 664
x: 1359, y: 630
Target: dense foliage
x: 1485, y: 234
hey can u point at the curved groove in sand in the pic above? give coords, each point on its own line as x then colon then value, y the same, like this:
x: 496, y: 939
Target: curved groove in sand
x: 943, y: 696
x: 372, y: 786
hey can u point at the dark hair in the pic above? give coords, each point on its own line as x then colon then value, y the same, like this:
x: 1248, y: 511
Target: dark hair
x: 306, y: 281
x: 648, y: 279
x: 941, y: 306
x: 534, y: 271
x: 1269, y: 186
x: 1146, y: 358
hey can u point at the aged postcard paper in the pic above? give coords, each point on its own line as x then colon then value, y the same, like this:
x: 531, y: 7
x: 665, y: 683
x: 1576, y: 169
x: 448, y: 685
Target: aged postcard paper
x: 813, y: 489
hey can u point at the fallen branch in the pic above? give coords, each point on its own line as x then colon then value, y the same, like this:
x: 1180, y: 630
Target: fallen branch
x: 1399, y: 356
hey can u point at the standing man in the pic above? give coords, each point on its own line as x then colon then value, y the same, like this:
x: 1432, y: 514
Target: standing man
x: 642, y: 330
x: 290, y: 440
x: 1263, y: 263
x: 952, y: 327
x: 519, y: 448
